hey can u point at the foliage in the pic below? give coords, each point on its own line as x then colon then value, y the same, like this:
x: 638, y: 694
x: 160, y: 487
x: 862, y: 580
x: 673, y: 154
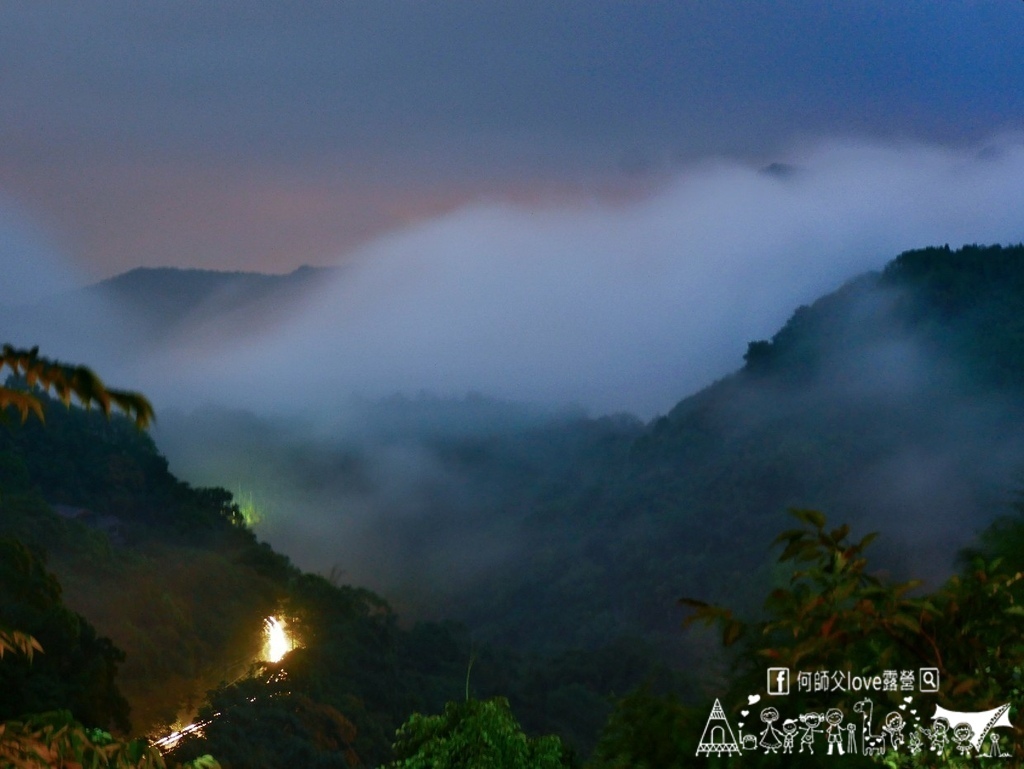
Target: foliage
x: 473, y: 734
x: 832, y: 605
x: 65, y: 381
x: 647, y: 731
x: 78, y: 669
x: 835, y: 615
x: 607, y: 518
x: 56, y: 738
x: 18, y: 642
x: 260, y: 723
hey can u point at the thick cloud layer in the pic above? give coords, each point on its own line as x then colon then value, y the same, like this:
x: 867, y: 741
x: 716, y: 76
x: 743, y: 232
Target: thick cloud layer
x: 616, y: 307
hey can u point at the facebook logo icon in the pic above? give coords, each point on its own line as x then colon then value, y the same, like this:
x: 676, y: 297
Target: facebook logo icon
x: 778, y: 680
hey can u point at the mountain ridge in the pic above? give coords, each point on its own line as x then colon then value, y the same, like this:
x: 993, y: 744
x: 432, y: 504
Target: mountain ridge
x: 893, y: 403
x: 874, y: 403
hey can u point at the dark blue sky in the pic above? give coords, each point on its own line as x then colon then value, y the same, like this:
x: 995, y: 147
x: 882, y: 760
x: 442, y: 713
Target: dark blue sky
x: 269, y: 135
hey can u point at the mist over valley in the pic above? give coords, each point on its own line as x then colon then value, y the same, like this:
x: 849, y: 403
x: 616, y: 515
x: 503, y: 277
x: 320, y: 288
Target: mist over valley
x: 409, y: 384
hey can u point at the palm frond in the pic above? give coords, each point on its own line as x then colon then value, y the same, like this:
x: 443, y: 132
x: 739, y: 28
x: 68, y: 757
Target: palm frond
x: 65, y: 381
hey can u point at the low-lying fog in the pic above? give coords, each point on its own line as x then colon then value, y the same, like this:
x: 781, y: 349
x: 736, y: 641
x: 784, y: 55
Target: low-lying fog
x: 600, y: 307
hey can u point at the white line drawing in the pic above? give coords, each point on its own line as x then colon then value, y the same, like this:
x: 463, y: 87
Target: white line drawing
x: 963, y: 732
x: 770, y: 736
x: 914, y: 742
x: 874, y: 744
x: 893, y: 726
x: 963, y: 735
x: 718, y: 737
x: 789, y: 727
x: 980, y: 721
x: 937, y: 734
x: 812, y: 724
x: 993, y: 748
x: 834, y: 731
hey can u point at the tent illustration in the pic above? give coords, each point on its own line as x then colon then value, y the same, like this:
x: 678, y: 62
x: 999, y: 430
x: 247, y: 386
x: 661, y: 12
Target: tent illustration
x: 718, y: 737
x: 981, y: 721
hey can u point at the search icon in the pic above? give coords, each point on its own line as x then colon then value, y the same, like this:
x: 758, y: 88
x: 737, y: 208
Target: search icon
x: 928, y: 679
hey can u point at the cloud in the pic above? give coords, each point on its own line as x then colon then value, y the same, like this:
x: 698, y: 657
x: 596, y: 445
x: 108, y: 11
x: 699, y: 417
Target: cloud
x: 620, y: 307
x: 173, y: 135
x: 31, y: 264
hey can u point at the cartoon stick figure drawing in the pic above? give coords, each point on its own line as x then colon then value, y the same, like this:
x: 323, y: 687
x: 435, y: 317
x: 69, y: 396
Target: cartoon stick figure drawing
x: 893, y: 726
x: 914, y: 742
x: 939, y: 736
x: 770, y: 736
x: 811, y: 722
x: 962, y: 735
x: 993, y: 748
x: 851, y: 742
x: 788, y: 735
x: 834, y: 717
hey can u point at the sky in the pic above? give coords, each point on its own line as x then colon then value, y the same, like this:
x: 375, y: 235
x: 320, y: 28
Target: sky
x: 587, y: 202
x: 239, y: 136
x: 559, y: 201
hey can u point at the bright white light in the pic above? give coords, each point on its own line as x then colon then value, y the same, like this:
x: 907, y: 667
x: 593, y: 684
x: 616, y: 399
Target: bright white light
x: 278, y: 643
x: 165, y: 744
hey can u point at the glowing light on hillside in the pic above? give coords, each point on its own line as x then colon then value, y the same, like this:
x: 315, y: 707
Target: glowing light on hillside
x: 164, y: 744
x: 278, y: 642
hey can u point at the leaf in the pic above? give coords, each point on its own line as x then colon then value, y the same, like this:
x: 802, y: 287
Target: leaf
x: 867, y: 539
x: 25, y: 403
x: 204, y: 762
x: 794, y: 549
x: 840, y: 533
x: 732, y: 632
x: 65, y: 381
x: 789, y: 536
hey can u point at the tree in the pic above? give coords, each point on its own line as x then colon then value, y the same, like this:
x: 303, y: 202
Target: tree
x: 475, y: 734
x: 836, y: 615
x: 648, y: 731
x: 260, y: 723
x: 77, y: 669
x: 65, y: 381
x: 56, y: 738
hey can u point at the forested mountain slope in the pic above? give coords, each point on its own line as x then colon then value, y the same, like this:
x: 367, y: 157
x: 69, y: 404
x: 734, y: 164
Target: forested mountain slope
x: 147, y: 593
x: 893, y: 403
